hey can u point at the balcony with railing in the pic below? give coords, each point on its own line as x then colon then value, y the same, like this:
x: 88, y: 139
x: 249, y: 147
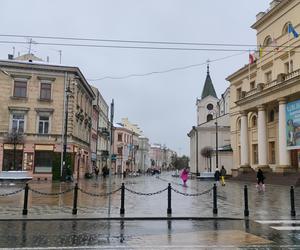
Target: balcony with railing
x: 262, y: 87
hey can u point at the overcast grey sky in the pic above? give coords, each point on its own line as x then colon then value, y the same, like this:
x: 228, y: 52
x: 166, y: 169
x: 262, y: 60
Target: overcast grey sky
x: 163, y: 105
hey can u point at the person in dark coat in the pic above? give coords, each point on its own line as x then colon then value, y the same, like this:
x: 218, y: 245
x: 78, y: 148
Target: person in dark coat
x: 260, y: 180
x: 217, y: 175
x: 223, y: 174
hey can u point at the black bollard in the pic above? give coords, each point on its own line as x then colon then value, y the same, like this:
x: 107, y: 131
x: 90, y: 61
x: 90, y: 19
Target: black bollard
x: 293, y: 211
x: 246, y: 211
x: 215, y: 205
x: 26, y: 189
x: 75, y: 197
x: 169, y: 210
x: 122, y: 209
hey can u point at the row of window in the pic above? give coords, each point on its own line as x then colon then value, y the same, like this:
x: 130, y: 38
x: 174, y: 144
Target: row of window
x: 288, y: 68
x: 20, y: 89
x: 127, y: 138
x: 269, y: 41
x: 18, y: 123
x: 253, y: 124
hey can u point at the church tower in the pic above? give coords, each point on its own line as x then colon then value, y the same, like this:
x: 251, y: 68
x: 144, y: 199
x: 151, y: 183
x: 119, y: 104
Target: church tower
x: 207, y: 106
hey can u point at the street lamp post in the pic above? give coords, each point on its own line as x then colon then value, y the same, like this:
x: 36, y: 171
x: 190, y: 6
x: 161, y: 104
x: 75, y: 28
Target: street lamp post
x: 79, y: 153
x: 217, y: 150
x: 68, y: 94
x: 197, y: 168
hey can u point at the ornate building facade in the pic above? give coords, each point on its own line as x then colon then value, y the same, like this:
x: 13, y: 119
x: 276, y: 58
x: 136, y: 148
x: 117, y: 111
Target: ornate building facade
x: 265, y: 95
x: 34, y: 127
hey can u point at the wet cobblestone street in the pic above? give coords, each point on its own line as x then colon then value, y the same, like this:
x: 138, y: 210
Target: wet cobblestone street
x: 51, y: 225
x: 273, y: 204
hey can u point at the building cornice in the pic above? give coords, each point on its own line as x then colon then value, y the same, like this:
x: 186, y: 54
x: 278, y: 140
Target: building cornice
x: 242, y: 71
x: 50, y: 68
x: 270, y: 13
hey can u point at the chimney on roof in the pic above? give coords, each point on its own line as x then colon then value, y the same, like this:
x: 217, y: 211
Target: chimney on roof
x: 47, y: 58
x: 10, y: 57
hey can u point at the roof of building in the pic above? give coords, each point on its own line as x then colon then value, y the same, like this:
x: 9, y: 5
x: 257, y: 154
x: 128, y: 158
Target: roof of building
x: 208, y: 89
x: 45, y: 66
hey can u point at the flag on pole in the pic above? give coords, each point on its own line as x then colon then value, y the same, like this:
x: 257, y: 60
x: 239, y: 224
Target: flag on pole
x: 260, y: 51
x: 251, y: 58
x: 292, y: 30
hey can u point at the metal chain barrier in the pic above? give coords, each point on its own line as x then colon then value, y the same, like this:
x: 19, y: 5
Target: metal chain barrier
x: 146, y: 194
x: 12, y: 193
x: 196, y: 194
x: 99, y: 195
x: 52, y: 194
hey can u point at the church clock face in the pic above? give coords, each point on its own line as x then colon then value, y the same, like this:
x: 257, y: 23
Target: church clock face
x: 210, y: 106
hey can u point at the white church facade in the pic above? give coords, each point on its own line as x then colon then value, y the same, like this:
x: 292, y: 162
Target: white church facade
x: 210, y: 138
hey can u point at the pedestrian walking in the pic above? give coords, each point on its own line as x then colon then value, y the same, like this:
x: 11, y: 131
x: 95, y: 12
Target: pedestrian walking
x: 96, y: 172
x: 223, y: 174
x: 217, y: 176
x: 260, y: 180
x: 184, y: 176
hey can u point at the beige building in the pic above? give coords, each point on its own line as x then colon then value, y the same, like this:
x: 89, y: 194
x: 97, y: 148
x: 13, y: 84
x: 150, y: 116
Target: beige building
x: 264, y: 104
x: 34, y: 97
x: 100, y: 131
x: 125, y: 147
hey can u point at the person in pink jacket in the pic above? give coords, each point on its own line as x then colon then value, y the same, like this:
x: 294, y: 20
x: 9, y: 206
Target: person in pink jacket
x: 184, y: 176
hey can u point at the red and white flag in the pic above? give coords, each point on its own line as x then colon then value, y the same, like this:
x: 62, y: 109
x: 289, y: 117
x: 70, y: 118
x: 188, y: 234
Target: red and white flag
x: 251, y: 58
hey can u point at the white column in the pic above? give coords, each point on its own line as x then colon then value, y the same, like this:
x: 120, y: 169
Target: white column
x: 244, y: 140
x: 284, y: 156
x: 262, y: 137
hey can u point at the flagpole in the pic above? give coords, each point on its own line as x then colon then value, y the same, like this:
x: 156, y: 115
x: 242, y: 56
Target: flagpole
x: 249, y: 67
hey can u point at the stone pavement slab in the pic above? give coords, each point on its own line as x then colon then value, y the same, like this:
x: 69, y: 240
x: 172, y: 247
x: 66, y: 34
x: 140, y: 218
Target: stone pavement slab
x: 274, y: 203
x: 189, y: 234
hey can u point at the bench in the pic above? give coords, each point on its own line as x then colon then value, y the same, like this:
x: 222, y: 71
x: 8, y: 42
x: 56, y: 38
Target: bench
x: 206, y: 176
x: 15, y: 175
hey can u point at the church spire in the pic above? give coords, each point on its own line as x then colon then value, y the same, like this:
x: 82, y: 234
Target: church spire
x: 208, y: 89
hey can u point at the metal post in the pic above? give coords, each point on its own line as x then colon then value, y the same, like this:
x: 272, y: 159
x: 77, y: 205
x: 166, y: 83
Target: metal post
x: 215, y: 205
x: 122, y: 209
x: 26, y: 189
x: 246, y: 211
x: 75, y: 199
x: 293, y: 211
x: 169, y: 210
x: 217, y: 150
x: 110, y: 154
x: 68, y: 92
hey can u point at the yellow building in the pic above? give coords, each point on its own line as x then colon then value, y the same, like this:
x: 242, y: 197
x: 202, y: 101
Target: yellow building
x: 265, y: 96
x: 34, y: 98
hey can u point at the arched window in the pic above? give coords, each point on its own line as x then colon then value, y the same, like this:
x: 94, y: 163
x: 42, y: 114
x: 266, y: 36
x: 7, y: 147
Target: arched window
x: 285, y: 28
x: 267, y: 41
x: 271, y: 115
x: 209, y: 117
x: 254, y: 121
x: 210, y: 106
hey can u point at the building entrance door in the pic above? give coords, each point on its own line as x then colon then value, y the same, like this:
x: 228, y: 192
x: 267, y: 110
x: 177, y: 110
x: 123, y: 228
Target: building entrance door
x: 294, y: 158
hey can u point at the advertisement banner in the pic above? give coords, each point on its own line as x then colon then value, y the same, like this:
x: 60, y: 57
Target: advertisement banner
x: 293, y: 125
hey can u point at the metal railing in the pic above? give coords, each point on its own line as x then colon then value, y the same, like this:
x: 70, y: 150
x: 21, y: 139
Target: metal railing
x: 169, y: 190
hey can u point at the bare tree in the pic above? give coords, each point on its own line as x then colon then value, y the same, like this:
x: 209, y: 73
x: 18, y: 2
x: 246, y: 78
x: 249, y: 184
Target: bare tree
x: 14, y: 138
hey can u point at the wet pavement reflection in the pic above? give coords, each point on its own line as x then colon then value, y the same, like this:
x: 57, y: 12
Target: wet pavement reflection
x: 187, y: 234
x: 273, y: 204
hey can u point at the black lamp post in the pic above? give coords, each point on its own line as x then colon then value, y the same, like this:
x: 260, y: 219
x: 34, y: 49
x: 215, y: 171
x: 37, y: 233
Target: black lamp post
x: 68, y: 94
x: 217, y: 151
x: 197, y: 169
